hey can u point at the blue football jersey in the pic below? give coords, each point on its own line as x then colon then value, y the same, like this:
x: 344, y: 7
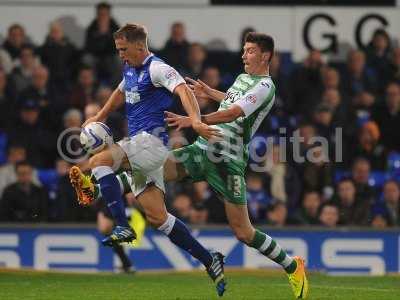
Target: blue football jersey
x: 148, y: 93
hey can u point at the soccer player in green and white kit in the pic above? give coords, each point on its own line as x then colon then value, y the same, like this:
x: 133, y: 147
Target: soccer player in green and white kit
x: 222, y: 163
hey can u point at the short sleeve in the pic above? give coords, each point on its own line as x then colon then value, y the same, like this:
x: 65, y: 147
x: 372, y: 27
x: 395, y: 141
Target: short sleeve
x: 121, y: 85
x: 255, y: 97
x: 163, y: 75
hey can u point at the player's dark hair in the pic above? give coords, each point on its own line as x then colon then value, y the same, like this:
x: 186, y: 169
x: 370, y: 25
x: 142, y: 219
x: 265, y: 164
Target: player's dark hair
x: 132, y: 33
x: 104, y: 5
x: 264, y: 41
x: 23, y: 163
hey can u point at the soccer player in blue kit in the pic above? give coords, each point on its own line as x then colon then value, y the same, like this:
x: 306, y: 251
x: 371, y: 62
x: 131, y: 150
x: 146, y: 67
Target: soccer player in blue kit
x: 146, y: 89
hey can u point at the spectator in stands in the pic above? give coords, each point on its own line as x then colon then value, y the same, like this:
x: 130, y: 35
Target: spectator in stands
x: 21, y: 76
x: 379, y: 221
x: 333, y: 99
x: 15, y: 41
x: 23, y: 201
x: 182, y: 206
x: 394, y: 67
x: 387, y: 116
x: 85, y: 89
x: 196, y: 57
x: 175, y: 51
x: 303, y: 140
x: 352, y: 210
x: 329, y: 215
x: 8, y: 175
x: 257, y: 198
x: 378, y: 52
x: 198, y: 214
x: 99, y: 44
x: 211, y: 77
x: 7, y: 102
x: 367, y: 145
x: 281, y: 180
x: 330, y: 78
x: 308, y: 214
x: 69, y: 145
x: 323, y: 121
x: 281, y: 81
x: 91, y: 110
x: 49, y: 99
x: 102, y: 95
x: 391, y: 202
x: 306, y: 84
x: 356, y: 78
x: 60, y: 56
x: 39, y: 142
x: 276, y: 214
x: 318, y: 172
x: 362, y: 106
x: 205, y: 196
x: 6, y: 64
x: 360, y: 173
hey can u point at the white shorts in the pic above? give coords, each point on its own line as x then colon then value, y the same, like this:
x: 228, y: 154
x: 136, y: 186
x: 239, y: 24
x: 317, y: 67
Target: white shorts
x: 146, y: 154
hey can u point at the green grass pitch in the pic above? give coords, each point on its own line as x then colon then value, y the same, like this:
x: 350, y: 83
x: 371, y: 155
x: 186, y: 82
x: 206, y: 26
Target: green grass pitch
x: 246, y: 285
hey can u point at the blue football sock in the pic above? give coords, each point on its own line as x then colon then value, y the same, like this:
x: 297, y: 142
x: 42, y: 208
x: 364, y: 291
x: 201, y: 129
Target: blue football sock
x: 111, y: 192
x: 180, y: 235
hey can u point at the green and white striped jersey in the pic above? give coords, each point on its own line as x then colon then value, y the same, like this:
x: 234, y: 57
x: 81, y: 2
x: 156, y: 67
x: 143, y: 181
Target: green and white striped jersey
x: 255, y: 95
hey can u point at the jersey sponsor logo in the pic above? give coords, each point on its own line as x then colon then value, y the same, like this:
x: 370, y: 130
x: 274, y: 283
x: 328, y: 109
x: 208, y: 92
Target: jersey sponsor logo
x: 266, y: 84
x: 171, y: 74
x: 251, y: 98
x: 130, y: 73
x: 232, y: 96
x: 132, y: 97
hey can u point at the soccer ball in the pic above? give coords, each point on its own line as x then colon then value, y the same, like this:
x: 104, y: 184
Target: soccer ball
x: 95, y: 137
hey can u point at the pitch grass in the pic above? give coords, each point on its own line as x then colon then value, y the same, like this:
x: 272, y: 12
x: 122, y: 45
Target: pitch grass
x: 246, y: 285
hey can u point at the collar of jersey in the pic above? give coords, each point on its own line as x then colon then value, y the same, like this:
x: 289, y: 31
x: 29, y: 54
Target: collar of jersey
x: 147, y: 58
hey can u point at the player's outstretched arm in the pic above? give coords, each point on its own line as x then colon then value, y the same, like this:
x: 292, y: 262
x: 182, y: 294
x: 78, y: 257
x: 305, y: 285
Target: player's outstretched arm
x: 113, y: 103
x: 202, y: 90
x: 224, y: 116
x: 192, y: 109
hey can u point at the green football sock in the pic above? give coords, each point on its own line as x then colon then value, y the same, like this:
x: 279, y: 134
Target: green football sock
x: 123, y: 180
x: 271, y: 249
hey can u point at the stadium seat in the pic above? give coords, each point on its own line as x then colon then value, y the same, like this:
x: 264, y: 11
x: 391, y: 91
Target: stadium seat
x: 48, y: 177
x: 3, y: 148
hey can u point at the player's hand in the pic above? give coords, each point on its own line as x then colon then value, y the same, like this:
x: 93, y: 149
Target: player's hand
x: 91, y: 120
x: 206, y: 131
x: 199, y: 88
x: 178, y: 121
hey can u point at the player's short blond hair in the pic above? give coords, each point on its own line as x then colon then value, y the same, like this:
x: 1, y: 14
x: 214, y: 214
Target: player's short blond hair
x: 132, y: 33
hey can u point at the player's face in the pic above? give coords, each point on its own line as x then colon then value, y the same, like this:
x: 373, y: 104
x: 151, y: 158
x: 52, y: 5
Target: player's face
x: 255, y: 61
x: 131, y: 53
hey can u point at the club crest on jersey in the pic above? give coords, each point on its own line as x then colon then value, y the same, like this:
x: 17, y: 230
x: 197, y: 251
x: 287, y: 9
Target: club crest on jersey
x: 171, y: 74
x: 251, y: 98
x: 141, y: 75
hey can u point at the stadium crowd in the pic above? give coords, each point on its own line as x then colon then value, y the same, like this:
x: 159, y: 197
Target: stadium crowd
x: 354, y: 181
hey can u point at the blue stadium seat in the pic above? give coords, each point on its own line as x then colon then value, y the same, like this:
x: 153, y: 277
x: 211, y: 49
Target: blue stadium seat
x: 378, y: 178
x: 48, y: 177
x: 3, y: 148
x: 393, y: 162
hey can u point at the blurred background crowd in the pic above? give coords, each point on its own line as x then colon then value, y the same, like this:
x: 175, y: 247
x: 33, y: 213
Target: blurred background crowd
x: 45, y: 89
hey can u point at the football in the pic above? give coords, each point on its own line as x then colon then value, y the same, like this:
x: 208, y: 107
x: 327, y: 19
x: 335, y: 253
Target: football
x: 95, y: 137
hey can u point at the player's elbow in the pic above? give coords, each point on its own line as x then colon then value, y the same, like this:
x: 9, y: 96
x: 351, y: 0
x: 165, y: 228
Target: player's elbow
x: 233, y: 113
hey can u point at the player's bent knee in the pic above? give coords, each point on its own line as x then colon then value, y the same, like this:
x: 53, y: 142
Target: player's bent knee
x: 244, y: 236
x: 156, y: 220
x: 99, y: 160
